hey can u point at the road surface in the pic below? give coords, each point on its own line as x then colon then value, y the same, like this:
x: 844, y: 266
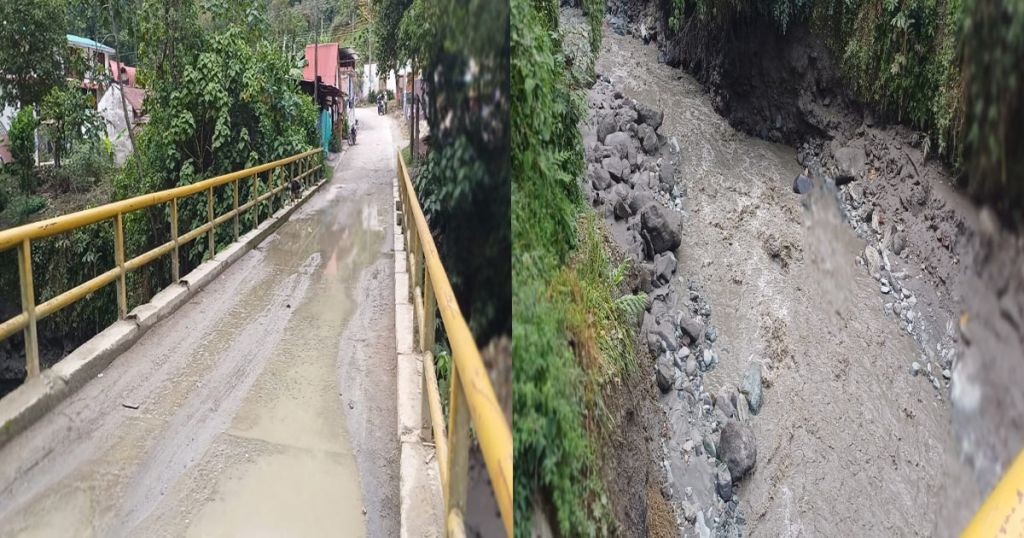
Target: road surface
x: 265, y: 405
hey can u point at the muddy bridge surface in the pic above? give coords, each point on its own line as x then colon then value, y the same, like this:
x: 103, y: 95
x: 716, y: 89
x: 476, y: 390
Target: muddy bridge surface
x: 264, y: 406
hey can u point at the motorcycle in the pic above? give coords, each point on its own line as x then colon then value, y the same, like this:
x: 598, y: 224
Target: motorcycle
x: 382, y: 108
x: 352, y: 134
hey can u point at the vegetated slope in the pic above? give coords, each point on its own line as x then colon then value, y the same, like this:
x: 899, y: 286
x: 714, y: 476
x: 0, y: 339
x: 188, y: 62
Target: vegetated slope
x: 583, y: 419
x: 944, y: 67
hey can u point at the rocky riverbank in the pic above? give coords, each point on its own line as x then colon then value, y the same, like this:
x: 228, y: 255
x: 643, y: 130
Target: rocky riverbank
x: 708, y: 446
x: 949, y: 273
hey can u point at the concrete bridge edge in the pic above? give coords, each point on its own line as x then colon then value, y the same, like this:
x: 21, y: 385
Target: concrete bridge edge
x: 34, y: 398
x: 422, y: 505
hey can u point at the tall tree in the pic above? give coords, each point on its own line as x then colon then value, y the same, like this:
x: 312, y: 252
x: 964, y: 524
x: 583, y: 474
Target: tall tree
x: 32, y: 44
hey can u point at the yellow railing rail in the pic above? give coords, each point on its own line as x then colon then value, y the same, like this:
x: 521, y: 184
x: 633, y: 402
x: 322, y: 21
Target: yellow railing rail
x: 1002, y: 513
x: 22, y: 237
x: 472, y: 397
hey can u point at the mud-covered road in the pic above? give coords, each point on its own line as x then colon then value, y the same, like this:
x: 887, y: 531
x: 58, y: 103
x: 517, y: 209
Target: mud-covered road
x: 264, y: 406
x: 849, y: 443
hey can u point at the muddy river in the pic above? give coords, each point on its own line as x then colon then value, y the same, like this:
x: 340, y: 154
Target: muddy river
x: 849, y: 442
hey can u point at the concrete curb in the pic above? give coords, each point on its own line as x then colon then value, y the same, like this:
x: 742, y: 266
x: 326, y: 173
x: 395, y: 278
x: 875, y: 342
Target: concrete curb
x: 421, y: 510
x: 34, y: 398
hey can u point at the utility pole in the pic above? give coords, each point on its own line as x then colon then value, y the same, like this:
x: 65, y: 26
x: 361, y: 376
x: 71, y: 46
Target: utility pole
x: 414, y: 116
x: 316, y: 69
x: 120, y: 85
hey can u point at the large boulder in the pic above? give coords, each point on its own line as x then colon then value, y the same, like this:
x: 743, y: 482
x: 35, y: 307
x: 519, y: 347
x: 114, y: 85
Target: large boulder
x: 664, y: 268
x: 600, y: 178
x: 665, y: 373
x: 752, y: 388
x: 662, y: 228
x: 649, y: 115
x: 693, y: 327
x: 617, y: 168
x: 605, y: 126
x: 648, y: 139
x: 618, y: 198
x: 620, y: 142
x: 738, y: 448
x: 639, y: 199
x: 850, y: 163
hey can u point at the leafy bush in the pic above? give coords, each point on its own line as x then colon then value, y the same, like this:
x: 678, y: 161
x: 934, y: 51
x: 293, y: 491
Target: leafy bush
x: 69, y: 118
x: 560, y: 298
x: 22, y: 139
x: 993, y: 56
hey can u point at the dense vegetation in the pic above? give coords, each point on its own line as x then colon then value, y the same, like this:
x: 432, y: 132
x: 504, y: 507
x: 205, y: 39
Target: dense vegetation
x: 220, y: 97
x: 461, y: 49
x: 573, y: 330
x: 948, y: 67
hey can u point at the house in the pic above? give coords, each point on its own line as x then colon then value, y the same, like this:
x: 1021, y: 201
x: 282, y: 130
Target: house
x: 335, y: 75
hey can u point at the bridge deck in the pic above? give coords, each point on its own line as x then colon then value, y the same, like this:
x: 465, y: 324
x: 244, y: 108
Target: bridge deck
x: 264, y: 406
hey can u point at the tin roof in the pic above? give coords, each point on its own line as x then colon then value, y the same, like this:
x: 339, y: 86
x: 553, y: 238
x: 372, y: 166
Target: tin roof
x: 87, y: 43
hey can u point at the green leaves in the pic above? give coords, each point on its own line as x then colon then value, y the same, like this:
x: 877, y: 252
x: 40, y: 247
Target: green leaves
x: 32, y: 43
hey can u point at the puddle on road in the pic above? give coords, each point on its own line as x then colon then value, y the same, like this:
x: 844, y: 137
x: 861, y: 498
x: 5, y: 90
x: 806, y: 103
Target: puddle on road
x: 289, y: 493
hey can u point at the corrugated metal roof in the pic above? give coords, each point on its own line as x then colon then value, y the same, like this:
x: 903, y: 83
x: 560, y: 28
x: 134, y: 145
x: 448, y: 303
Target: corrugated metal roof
x: 88, y: 43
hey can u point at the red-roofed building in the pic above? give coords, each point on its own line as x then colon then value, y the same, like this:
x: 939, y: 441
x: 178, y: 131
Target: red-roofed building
x: 123, y: 73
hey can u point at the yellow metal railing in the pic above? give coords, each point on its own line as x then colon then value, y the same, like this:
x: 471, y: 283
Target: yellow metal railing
x: 472, y: 397
x: 1002, y: 513
x: 22, y: 237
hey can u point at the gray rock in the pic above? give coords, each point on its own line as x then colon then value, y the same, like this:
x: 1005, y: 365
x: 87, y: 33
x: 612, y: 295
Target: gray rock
x: 915, y: 368
x: 723, y: 483
x: 689, y: 511
x: 802, y: 184
x: 709, y: 446
x: 664, y: 267
x: 873, y: 260
x: 935, y: 383
x: 702, y: 529
x: 617, y: 168
x: 725, y: 401
x: 691, y: 366
x: 738, y: 448
x: 650, y: 116
x: 665, y: 374
x: 752, y: 389
x: 899, y: 242
x: 661, y: 337
x: 617, y: 198
x: 850, y: 164
x: 693, y: 328
x: 639, y: 199
x: 606, y: 126
x: 600, y: 178
x: 946, y: 373
x: 648, y: 139
x: 662, y: 227
x: 707, y: 359
x: 711, y: 334
x: 619, y: 141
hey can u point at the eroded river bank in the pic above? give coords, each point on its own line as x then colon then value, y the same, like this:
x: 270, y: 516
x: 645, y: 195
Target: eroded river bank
x: 855, y: 353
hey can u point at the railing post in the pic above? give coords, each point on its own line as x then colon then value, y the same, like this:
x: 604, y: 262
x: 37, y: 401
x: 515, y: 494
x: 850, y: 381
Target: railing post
x: 28, y: 304
x: 174, y: 237
x: 253, y: 195
x: 458, y: 447
x: 122, y: 291
x: 209, y: 213
x: 428, y: 323
x: 236, y: 209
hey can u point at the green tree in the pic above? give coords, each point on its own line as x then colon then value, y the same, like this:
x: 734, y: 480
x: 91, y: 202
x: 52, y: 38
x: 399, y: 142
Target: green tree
x: 22, y: 139
x: 69, y: 118
x: 32, y: 44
